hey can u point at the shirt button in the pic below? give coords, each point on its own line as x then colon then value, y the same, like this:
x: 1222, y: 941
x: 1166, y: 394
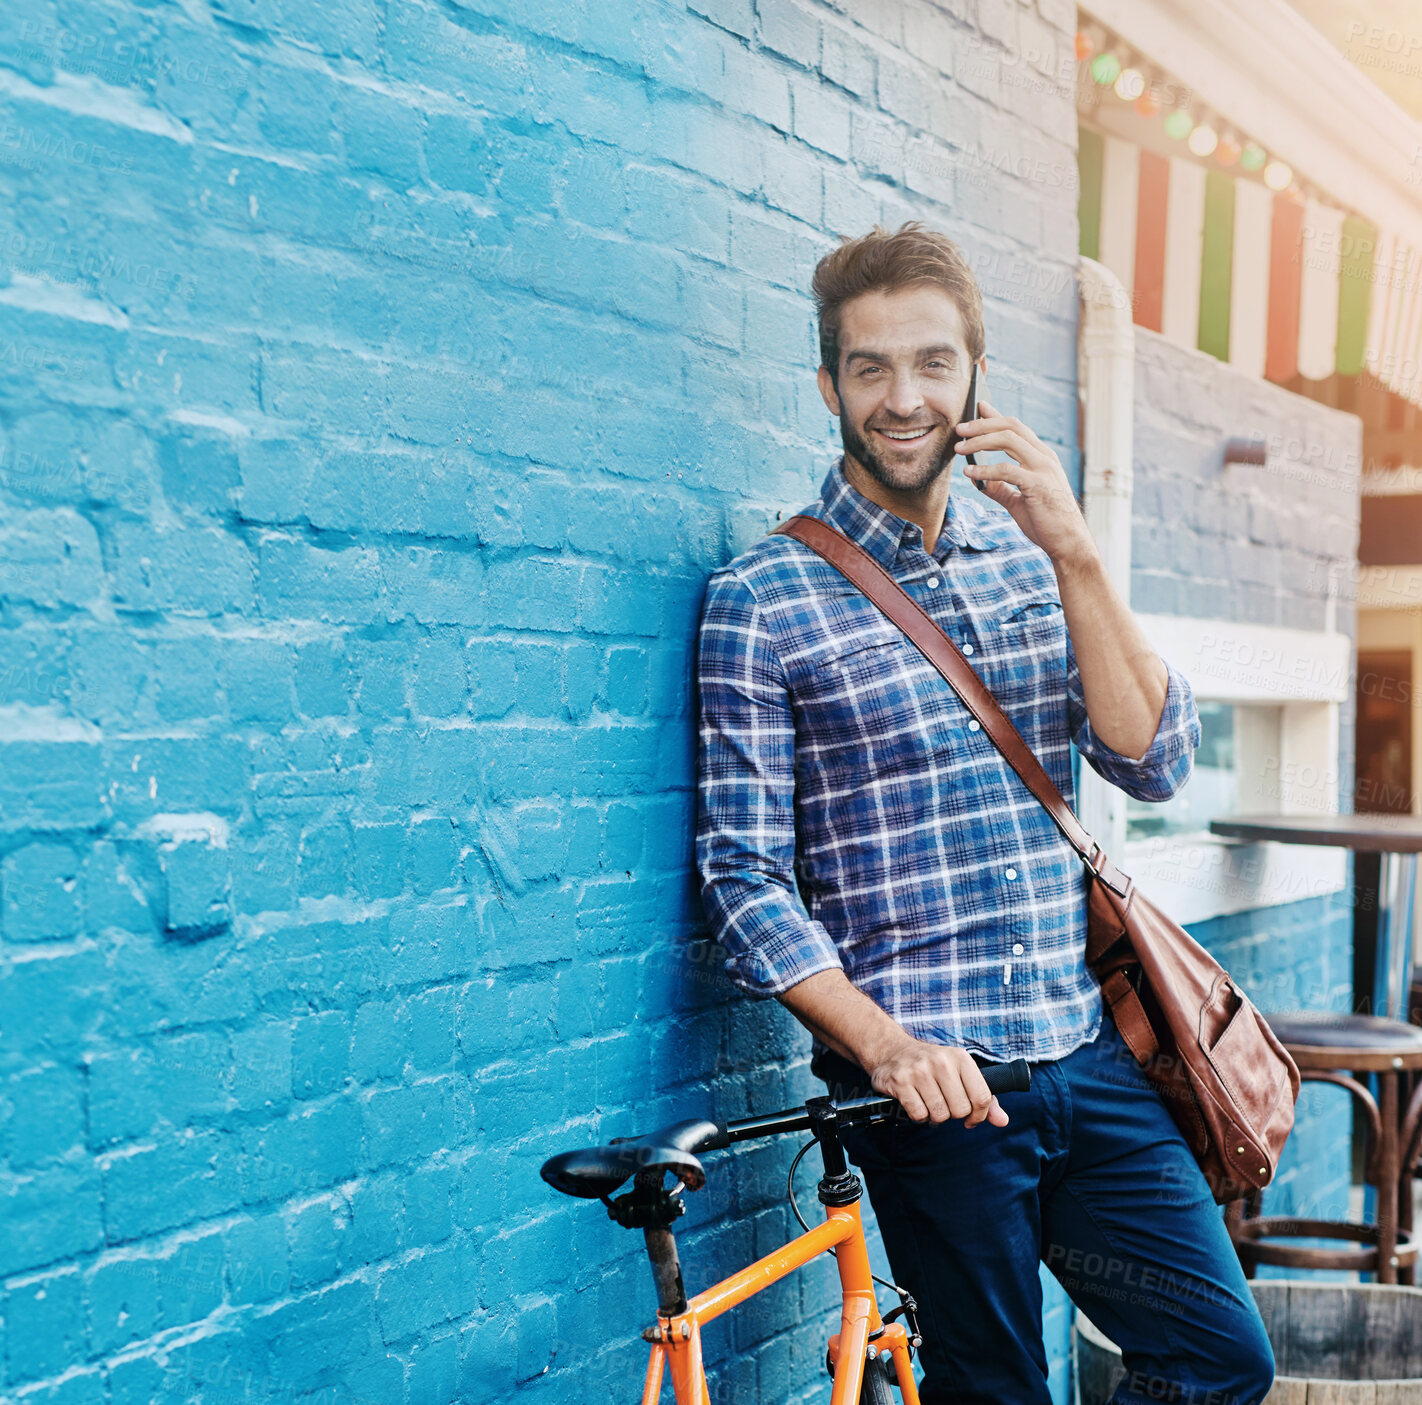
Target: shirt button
x: 934, y: 583
x: 967, y: 648
x: 1017, y: 948
x: 1012, y: 873
x: 974, y: 725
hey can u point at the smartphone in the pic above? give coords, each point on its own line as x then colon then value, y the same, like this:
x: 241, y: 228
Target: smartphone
x: 970, y: 412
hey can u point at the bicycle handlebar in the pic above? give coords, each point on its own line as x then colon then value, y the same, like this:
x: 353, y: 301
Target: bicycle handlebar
x: 1012, y: 1077
x: 595, y: 1172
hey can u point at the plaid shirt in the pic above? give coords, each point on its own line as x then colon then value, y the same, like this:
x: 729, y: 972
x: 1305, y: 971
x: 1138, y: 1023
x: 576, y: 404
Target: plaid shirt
x: 852, y: 814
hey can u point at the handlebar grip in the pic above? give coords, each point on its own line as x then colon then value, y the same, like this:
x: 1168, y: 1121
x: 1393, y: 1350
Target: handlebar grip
x: 1012, y: 1077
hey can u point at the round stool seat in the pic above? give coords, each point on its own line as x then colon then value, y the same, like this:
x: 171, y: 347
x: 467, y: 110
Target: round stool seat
x: 1258, y: 1242
x: 1364, y: 1043
x: 1334, y: 1047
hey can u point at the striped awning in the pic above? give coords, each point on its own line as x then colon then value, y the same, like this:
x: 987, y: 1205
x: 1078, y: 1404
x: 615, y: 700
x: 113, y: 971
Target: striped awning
x: 1273, y: 283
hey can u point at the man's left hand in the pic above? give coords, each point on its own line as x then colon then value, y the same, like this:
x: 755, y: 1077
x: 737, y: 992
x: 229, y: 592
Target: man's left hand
x: 1033, y: 486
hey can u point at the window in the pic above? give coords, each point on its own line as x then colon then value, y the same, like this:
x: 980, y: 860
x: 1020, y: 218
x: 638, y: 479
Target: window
x: 1236, y: 768
x: 1268, y: 699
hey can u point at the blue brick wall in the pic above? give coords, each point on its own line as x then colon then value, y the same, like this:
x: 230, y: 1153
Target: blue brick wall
x: 1298, y: 956
x: 379, y: 383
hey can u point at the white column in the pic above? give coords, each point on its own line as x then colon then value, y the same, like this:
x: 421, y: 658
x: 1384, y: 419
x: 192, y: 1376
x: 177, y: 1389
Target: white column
x: 1318, y: 291
x: 1120, y: 197
x: 1249, y: 277
x: 1184, y: 250
x: 1106, y: 371
x: 1395, y: 323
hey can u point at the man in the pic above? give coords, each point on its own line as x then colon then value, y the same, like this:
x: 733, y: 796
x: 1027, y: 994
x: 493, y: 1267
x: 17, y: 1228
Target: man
x: 941, y: 914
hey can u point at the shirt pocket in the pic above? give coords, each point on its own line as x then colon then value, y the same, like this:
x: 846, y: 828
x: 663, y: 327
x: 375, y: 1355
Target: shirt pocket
x: 1025, y: 613
x: 874, y: 704
x: 1029, y: 651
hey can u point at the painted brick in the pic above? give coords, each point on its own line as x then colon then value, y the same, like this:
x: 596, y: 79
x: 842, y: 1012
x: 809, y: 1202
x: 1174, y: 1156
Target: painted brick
x: 52, y: 558
x: 320, y: 1054
x: 258, y: 677
x: 375, y: 1219
x: 315, y: 1238
x: 789, y: 29
x: 50, y: 1216
x: 123, y: 1293
x: 376, y: 527
x: 199, y: 879
x: 44, y: 1325
x: 39, y: 893
x: 312, y: 1148
x: 166, y: 1183
x: 261, y: 1065
x: 301, y: 1337
x: 199, y: 571
x: 41, y: 1114
x: 428, y: 1205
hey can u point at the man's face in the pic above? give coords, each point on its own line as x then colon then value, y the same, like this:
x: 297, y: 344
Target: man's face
x: 903, y: 384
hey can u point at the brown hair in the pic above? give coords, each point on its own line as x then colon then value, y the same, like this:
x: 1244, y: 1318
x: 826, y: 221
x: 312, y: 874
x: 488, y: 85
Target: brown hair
x: 880, y: 261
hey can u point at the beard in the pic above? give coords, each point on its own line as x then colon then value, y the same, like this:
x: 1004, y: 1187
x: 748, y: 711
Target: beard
x: 916, y: 475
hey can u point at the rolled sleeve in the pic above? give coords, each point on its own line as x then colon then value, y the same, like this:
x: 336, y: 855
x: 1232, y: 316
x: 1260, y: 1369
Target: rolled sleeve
x: 1170, y: 757
x: 745, y: 830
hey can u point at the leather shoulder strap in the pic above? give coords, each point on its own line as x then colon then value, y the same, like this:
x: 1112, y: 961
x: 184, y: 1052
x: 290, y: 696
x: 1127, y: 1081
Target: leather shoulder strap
x: 852, y: 561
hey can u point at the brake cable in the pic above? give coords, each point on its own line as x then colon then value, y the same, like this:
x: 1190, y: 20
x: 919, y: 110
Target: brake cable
x: 908, y: 1305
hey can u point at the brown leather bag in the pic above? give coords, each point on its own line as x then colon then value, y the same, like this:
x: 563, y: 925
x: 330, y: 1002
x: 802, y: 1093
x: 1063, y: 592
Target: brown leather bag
x: 1228, y: 1082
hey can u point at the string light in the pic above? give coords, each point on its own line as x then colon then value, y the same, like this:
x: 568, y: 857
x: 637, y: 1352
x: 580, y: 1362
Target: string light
x: 1130, y: 84
x: 1179, y: 124
x: 1105, y: 69
x: 1203, y: 140
x: 1116, y: 65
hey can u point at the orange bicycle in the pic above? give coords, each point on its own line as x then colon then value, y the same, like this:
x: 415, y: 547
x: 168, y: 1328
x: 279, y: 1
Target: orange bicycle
x: 869, y: 1353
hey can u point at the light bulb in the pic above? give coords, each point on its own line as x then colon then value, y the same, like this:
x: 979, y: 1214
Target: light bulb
x: 1203, y: 140
x: 1105, y: 68
x: 1179, y: 124
x: 1278, y: 175
x: 1130, y: 84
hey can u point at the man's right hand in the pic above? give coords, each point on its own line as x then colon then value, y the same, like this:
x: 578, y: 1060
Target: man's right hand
x: 935, y: 1082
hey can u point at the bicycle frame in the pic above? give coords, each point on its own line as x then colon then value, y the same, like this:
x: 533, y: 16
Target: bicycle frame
x: 598, y: 1172
x: 676, y: 1339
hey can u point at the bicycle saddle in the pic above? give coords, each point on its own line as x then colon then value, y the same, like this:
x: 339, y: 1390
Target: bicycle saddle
x: 596, y: 1171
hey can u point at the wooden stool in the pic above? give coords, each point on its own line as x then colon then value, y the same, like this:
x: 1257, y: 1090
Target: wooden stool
x: 1332, y: 1048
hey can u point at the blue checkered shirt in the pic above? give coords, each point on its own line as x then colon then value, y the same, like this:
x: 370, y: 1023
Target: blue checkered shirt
x: 852, y: 815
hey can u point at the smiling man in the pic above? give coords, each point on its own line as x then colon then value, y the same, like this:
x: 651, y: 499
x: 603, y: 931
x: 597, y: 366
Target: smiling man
x: 868, y: 857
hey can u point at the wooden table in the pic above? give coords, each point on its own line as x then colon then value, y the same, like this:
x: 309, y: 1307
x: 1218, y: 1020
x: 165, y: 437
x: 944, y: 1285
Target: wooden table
x: 1398, y: 839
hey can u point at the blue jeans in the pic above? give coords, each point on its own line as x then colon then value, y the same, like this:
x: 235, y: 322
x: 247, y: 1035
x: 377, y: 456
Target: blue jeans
x: 1091, y: 1177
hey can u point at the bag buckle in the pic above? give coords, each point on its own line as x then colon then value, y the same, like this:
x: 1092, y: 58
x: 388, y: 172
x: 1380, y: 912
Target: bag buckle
x: 1097, y: 861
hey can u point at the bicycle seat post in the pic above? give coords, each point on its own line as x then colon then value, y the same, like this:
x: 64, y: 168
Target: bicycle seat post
x: 839, y: 1185
x: 652, y: 1209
